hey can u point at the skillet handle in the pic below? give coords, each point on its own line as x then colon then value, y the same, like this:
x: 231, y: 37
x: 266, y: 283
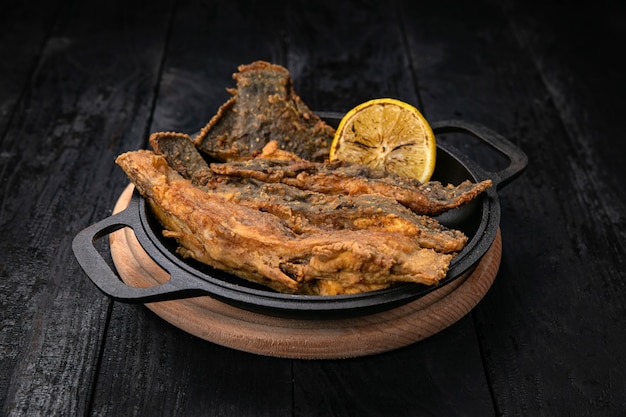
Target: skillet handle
x: 107, y: 281
x: 517, y: 158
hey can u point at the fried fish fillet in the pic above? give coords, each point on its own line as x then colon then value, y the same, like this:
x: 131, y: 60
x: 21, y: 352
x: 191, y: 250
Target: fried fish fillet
x: 260, y: 247
x: 304, y: 210
x: 431, y: 198
x: 264, y: 107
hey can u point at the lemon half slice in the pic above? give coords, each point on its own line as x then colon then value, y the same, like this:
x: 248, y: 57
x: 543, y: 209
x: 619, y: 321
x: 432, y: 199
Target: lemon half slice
x: 387, y: 135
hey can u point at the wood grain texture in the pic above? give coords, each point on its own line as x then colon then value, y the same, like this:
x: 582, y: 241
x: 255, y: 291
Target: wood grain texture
x: 516, y: 82
x: 24, y: 32
x: 580, y: 217
x: 88, y: 98
x: 81, y: 82
x: 15, y: 73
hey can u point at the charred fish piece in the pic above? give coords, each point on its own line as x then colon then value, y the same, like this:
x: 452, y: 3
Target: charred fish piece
x: 264, y: 107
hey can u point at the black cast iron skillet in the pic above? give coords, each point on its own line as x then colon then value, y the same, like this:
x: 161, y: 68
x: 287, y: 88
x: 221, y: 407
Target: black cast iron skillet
x: 479, y: 220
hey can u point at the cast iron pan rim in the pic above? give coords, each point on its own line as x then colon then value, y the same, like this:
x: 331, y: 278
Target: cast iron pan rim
x: 253, y: 298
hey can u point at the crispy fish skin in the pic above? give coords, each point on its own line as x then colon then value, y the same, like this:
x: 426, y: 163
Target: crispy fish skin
x: 431, y: 198
x: 180, y: 153
x: 264, y: 107
x: 304, y: 210
x: 210, y: 230
x: 361, y: 212
x: 258, y: 246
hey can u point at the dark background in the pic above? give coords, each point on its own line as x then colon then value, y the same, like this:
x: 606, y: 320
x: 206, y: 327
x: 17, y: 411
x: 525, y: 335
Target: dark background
x: 83, y: 81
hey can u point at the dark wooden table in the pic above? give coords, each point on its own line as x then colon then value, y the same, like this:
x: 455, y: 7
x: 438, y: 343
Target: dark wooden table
x: 81, y: 82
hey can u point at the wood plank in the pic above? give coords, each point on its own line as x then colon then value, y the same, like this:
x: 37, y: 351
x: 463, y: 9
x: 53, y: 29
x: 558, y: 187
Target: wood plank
x: 181, y: 374
x: 341, y: 55
x: 24, y: 31
x: 153, y: 368
x: 89, y: 99
x: 538, y: 347
x: 339, y: 64
x: 82, y: 87
x: 21, y: 39
x: 417, y: 380
x: 577, y: 349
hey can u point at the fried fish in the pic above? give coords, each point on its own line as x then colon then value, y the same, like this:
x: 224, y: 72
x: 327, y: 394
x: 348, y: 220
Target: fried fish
x: 431, y: 198
x: 271, y: 209
x: 302, y: 209
x: 264, y: 107
x: 261, y: 247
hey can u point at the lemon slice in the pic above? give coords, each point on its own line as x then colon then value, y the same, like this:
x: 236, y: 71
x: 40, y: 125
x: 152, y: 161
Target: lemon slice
x: 387, y: 135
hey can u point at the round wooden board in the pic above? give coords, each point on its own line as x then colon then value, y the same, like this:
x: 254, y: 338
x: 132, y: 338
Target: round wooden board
x: 303, y: 338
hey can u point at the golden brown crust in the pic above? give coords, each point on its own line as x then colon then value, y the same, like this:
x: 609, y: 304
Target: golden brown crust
x: 302, y: 209
x: 260, y: 247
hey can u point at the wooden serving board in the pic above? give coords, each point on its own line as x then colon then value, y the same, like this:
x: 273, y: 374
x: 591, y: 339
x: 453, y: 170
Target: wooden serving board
x: 302, y: 338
